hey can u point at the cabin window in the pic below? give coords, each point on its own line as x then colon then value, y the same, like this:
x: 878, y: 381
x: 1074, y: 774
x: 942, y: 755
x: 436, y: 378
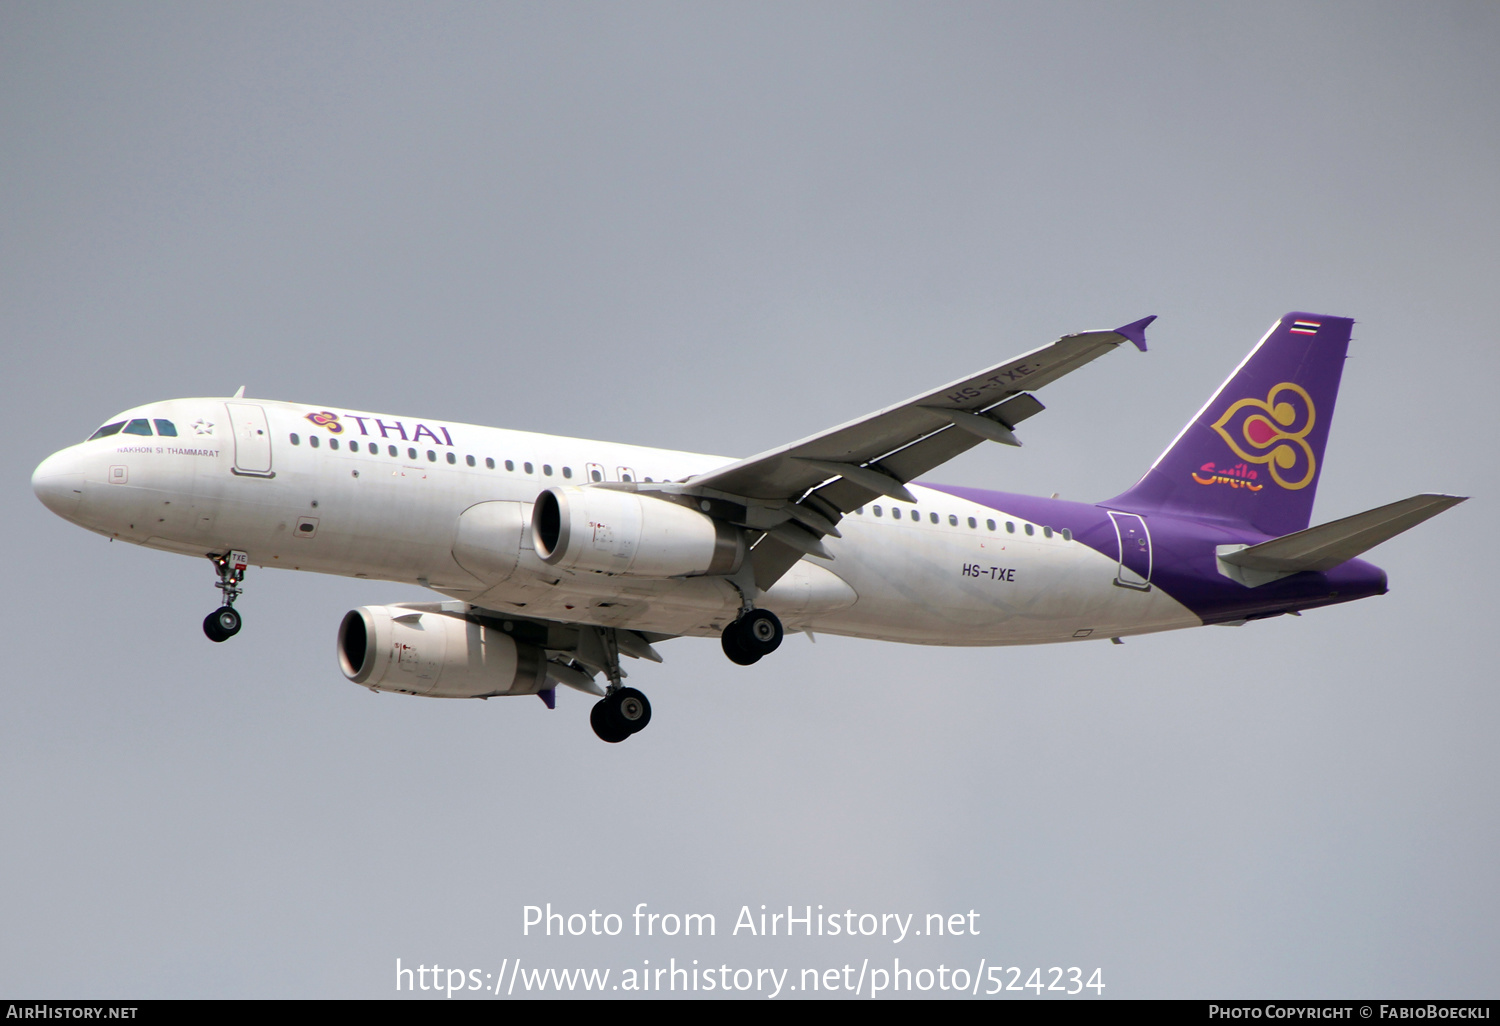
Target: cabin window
x: 510, y: 465
x: 952, y: 520
x: 526, y: 467
x: 1067, y: 534
x: 453, y: 458
x: 1030, y: 529
x: 333, y: 443
x: 165, y: 428
x: 411, y: 454
x: 391, y: 449
x: 138, y: 427
x: 990, y: 524
x: 973, y: 523
x: 489, y: 462
x: 312, y: 440
x: 296, y: 438
x: 469, y: 460
x: 1010, y: 527
x: 107, y: 430
x: 1046, y: 532
x: 354, y: 446
x: 547, y: 469
x: 431, y: 456
x: 876, y: 511
x: 596, y: 476
x: 567, y: 471
x: 895, y: 512
x: 933, y: 517
x: 860, y: 511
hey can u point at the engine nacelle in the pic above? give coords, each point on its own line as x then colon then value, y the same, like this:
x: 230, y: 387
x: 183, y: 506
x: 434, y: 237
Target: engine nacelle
x: 616, y: 532
x: 395, y: 648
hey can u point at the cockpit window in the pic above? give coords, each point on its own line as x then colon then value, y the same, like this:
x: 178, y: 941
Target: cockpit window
x: 142, y: 426
x: 165, y: 428
x: 108, y: 429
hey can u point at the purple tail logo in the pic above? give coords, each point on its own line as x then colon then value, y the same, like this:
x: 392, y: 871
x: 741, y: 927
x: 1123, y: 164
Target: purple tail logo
x: 1273, y: 431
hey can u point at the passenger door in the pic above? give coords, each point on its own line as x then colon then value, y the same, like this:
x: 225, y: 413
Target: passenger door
x: 252, y: 440
x: 1135, y: 551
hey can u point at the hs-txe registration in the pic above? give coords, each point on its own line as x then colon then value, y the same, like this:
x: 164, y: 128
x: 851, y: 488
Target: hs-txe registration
x: 559, y: 559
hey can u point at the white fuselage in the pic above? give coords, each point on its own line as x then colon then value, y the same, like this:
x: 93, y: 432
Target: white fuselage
x: 282, y: 483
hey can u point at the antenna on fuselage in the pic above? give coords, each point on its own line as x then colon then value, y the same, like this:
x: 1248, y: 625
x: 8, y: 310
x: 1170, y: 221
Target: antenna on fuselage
x: 239, y: 393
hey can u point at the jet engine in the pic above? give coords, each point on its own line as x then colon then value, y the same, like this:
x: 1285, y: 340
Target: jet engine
x: 418, y: 652
x: 617, y: 532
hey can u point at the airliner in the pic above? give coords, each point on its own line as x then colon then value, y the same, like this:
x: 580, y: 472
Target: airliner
x: 558, y: 559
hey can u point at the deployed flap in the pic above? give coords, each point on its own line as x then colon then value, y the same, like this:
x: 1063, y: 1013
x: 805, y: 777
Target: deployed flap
x: 901, y: 442
x: 1327, y: 545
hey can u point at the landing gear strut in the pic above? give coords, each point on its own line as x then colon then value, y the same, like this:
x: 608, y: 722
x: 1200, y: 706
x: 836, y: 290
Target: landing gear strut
x: 755, y: 634
x: 224, y: 623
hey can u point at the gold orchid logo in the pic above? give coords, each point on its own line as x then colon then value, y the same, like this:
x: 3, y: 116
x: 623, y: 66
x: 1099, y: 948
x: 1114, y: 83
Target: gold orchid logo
x: 1273, y: 431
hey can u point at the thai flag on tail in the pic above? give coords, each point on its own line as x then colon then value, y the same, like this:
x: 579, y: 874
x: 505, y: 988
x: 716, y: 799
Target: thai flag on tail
x: 1306, y: 327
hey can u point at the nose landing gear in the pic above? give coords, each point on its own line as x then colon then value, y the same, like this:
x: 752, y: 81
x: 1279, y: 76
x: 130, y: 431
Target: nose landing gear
x: 224, y: 623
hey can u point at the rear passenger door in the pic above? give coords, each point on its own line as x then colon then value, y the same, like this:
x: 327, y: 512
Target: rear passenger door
x: 1135, y: 551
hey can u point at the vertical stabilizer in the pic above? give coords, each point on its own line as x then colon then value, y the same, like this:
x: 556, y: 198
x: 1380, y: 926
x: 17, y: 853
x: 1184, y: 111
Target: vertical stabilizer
x: 1253, y: 454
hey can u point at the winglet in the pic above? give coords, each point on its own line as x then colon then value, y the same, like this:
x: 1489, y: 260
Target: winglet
x: 1136, y: 331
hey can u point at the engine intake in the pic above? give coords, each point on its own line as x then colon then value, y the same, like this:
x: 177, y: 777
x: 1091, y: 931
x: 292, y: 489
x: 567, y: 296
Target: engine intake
x: 617, y: 532
x: 396, y: 648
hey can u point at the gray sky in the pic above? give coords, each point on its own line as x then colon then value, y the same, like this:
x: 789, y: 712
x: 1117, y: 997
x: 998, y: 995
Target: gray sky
x: 723, y: 227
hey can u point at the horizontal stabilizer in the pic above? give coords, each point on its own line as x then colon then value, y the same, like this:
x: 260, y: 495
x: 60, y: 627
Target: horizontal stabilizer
x: 1327, y: 545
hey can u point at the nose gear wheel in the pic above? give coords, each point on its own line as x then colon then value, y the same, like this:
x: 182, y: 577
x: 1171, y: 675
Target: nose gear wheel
x: 222, y: 624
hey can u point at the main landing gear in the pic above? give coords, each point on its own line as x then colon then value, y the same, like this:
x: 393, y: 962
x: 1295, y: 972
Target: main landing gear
x: 756, y: 633
x: 622, y: 711
x: 224, y: 623
x: 619, y: 714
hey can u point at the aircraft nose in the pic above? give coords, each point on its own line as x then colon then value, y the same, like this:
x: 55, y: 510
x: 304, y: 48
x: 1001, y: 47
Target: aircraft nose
x: 58, y: 482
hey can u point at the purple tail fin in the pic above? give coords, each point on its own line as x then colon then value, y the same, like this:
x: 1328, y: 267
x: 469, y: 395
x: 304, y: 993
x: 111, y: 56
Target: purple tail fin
x: 1253, y: 454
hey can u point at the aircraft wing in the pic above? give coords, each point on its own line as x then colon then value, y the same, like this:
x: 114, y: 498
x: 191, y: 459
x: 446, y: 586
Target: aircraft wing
x: 798, y: 492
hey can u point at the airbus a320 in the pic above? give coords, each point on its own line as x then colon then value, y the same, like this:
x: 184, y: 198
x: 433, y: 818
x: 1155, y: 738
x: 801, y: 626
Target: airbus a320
x: 561, y: 558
